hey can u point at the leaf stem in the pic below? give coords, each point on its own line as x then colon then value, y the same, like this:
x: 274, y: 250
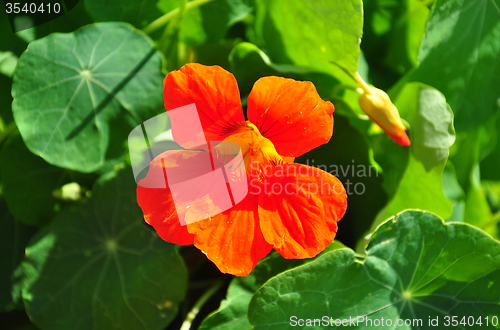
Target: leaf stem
x: 186, y: 325
x: 362, y: 83
x: 171, y: 27
x: 161, y: 21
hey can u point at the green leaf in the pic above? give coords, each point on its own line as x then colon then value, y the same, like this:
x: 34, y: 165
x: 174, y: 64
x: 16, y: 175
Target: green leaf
x: 209, y: 22
x: 28, y: 180
x: 245, y: 55
x: 99, y: 266
x: 205, y: 23
x: 454, y: 192
x: 91, y: 88
x: 392, y: 34
x: 406, y: 36
x: 137, y: 13
x: 460, y: 56
x: 232, y: 314
x: 489, y: 165
x: 310, y: 33
x: 471, y: 148
x: 416, y: 267
x: 414, y: 176
x: 14, y: 237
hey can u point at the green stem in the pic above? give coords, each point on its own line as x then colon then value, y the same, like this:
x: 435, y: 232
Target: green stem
x: 7, y: 131
x: 362, y: 83
x: 186, y: 325
x: 161, y: 21
x: 171, y: 27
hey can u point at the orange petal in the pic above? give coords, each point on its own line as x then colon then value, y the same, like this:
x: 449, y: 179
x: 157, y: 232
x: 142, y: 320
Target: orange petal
x: 156, y: 199
x: 159, y: 211
x: 232, y: 240
x: 291, y: 114
x: 299, y: 208
x: 215, y: 93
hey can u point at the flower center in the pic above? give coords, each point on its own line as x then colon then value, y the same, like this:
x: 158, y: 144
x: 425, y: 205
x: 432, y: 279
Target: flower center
x: 259, y: 152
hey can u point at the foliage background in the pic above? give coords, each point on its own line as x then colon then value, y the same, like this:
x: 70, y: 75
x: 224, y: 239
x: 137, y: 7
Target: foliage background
x: 75, y: 251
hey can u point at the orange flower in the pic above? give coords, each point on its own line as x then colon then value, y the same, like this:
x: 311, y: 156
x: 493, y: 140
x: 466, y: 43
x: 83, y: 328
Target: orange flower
x: 292, y: 208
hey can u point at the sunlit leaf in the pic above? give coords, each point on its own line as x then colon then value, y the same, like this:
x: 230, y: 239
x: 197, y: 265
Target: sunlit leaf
x: 416, y: 268
x: 99, y: 266
x: 310, y: 33
x: 91, y: 88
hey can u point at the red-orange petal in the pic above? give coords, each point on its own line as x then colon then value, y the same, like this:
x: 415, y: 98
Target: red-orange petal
x: 233, y: 240
x: 215, y: 93
x: 291, y: 114
x: 300, y: 209
x: 159, y: 211
x: 158, y: 203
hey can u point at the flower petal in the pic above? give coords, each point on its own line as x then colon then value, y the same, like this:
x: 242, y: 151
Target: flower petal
x: 215, y: 93
x: 159, y: 211
x: 233, y: 240
x: 291, y: 114
x: 299, y: 208
x: 165, y: 209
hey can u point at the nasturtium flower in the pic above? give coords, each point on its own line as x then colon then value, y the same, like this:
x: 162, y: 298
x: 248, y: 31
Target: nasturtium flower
x: 378, y: 106
x: 290, y: 207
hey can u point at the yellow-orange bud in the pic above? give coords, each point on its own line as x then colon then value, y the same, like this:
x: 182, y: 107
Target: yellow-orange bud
x: 378, y: 106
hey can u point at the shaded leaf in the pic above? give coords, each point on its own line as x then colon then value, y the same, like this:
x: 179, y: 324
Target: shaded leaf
x: 471, y: 148
x: 99, y: 266
x: 28, y: 180
x: 245, y: 55
x: 460, y: 56
x: 137, y: 13
x: 392, y: 33
x: 14, y: 237
x: 91, y: 89
x: 416, y: 267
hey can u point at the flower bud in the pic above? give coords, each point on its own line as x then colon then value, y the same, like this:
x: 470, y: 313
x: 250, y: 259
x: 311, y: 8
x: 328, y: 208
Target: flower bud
x: 378, y: 106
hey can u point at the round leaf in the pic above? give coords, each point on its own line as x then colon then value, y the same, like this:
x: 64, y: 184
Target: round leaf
x: 78, y: 95
x: 232, y: 313
x: 99, y: 266
x: 417, y: 268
